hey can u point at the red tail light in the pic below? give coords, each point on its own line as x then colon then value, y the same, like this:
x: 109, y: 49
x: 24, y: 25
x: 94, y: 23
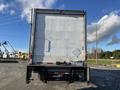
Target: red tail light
x: 30, y: 55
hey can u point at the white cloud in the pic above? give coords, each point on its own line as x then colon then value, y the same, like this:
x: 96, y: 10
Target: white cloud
x: 7, y: 8
x: 49, y: 3
x: 106, y: 26
x: 62, y: 6
x: 22, y: 50
x: 28, y: 4
x: 12, y: 12
x: 115, y: 40
x: 3, y: 7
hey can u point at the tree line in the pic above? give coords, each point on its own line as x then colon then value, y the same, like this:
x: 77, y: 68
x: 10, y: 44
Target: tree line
x: 105, y: 54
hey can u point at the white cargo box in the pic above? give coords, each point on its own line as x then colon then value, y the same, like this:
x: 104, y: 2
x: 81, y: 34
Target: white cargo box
x: 58, y: 35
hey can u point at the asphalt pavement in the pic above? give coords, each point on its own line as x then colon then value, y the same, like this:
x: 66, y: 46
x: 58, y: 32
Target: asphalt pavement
x: 12, y: 77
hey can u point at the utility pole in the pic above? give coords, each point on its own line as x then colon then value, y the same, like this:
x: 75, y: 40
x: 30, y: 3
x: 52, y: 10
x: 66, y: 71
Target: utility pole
x: 96, y: 44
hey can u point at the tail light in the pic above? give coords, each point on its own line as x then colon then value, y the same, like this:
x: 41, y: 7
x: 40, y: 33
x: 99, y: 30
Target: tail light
x: 30, y: 56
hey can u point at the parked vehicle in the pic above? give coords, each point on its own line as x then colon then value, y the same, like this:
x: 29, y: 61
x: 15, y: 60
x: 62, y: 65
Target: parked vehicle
x: 58, y: 45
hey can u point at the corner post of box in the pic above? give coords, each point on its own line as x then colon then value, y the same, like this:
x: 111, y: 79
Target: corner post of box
x: 88, y: 75
x: 28, y: 74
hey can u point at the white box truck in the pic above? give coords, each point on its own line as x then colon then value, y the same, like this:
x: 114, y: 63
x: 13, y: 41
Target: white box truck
x: 58, y: 45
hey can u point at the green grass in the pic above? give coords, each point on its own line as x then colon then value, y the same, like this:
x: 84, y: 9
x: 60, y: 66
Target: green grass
x: 103, y: 62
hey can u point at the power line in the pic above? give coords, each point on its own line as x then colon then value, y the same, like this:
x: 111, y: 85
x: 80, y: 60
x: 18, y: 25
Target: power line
x: 8, y: 15
x: 5, y: 19
x: 10, y: 19
x: 10, y: 22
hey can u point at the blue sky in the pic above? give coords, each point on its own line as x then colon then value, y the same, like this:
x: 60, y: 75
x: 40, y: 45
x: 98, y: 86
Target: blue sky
x: 15, y: 27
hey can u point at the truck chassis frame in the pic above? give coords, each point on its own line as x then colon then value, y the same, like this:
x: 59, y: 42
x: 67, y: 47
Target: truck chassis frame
x: 43, y: 71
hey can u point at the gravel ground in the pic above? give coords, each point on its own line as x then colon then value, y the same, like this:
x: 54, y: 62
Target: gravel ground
x: 12, y: 77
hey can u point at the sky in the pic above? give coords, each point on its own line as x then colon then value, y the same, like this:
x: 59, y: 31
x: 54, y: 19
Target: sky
x: 102, y: 15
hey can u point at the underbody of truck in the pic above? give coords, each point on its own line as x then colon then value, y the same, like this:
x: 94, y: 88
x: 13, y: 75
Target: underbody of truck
x: 66, y: 72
